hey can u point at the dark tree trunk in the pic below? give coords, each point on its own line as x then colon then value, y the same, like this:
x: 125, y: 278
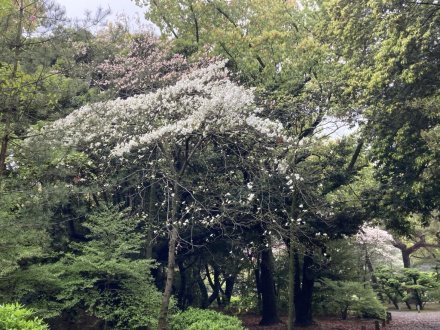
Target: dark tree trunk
x: 258, y: 283
x: 181, y: 297
x: 215, y: 285
x: 269, y: 310
x: 370, y: 268
x: 230, y: 281
x: 163, y: 315
x: 3, y: 153
x: 304, y: 290
x: 149, y: 209
x: 406, y: 258
x: 394, y: 301
x: 203, y: 292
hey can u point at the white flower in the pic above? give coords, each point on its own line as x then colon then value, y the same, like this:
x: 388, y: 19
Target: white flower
x: 202, y: 102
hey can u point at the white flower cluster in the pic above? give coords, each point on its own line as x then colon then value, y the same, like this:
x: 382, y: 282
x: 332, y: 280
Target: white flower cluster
x: 373, y: 235
x: 265, y: 126
x: 379, y: 242
x: 203, y: 102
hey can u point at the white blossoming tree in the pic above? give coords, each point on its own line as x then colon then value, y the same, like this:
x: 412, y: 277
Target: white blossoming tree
x: 163, y: 132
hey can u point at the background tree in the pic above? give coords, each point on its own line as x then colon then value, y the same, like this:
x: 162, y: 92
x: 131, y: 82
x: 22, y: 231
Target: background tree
x: 392, y: 75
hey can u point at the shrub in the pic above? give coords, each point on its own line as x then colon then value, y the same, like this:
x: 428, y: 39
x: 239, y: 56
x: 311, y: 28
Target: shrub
x: 243, y: 304
x: 104, y: 276
x: 410, y: 285
x: 200, y: 319
x: 343, y: 298
x: 15, y: 316
x: 419, y: 286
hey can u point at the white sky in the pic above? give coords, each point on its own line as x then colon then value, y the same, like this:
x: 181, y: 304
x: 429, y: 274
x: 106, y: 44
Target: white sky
x: 77, y: 8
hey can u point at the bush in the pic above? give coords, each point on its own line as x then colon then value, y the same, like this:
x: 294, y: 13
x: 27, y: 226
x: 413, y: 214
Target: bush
x: 104, y: 276
x: 410, y: 285
x: 15, y: 316
x: 200, y: 319
x: 347, y: 297
x: 242, y: 304
x: 419, y: 286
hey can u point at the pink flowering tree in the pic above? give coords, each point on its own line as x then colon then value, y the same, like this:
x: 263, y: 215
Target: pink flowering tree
x: 145, y: 65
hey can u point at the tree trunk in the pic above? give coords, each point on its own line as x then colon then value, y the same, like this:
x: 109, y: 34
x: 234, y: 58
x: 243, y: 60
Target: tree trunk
x: 3, y: 153
x: 291, y: 246
x: 230, y: 281
x: 269, y: 301
x: 406, y: 258
x: 291, y: 304
x: 163, y: 315
x: 304, y: 291
x: 258, y: 283
x: 16, y: 62
x: 215, y: 285
x: 370, y: 268
x: 394, y: 301
x: 203, y: 292
x: 181, y: 297
x: 150, y: 212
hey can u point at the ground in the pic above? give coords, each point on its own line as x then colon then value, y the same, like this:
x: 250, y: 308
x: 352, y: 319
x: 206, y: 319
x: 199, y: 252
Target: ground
x: 428, y: 319
x: 251, y: 322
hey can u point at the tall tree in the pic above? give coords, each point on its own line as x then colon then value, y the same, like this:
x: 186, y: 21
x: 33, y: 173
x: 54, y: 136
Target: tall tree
x: 182, y: 119
x: 271, y: 45
x: 392, y: 77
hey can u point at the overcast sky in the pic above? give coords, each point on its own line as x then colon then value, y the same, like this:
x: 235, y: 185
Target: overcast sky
x: 76, y: 8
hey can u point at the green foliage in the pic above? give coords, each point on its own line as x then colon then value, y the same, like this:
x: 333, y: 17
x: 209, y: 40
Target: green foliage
x: 199, y: 319
x: 419, y: 284
x: 395, y: 81
x: 23, y: 214
x: 58, y: 254
x: 344, y: 262
x: 15, y: 316
x: 5, y: 6
x: 245, y: 303
x: 344, y: 298
x: 409, y: 285
x: 103, y: 275
x: 106, y: 276
x: 390, y: 284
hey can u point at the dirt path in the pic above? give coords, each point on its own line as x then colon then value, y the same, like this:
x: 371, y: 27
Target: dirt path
x: 404, y: 320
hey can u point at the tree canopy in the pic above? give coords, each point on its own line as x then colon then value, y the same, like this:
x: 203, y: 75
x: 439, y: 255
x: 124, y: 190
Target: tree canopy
x: 272, y: 157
